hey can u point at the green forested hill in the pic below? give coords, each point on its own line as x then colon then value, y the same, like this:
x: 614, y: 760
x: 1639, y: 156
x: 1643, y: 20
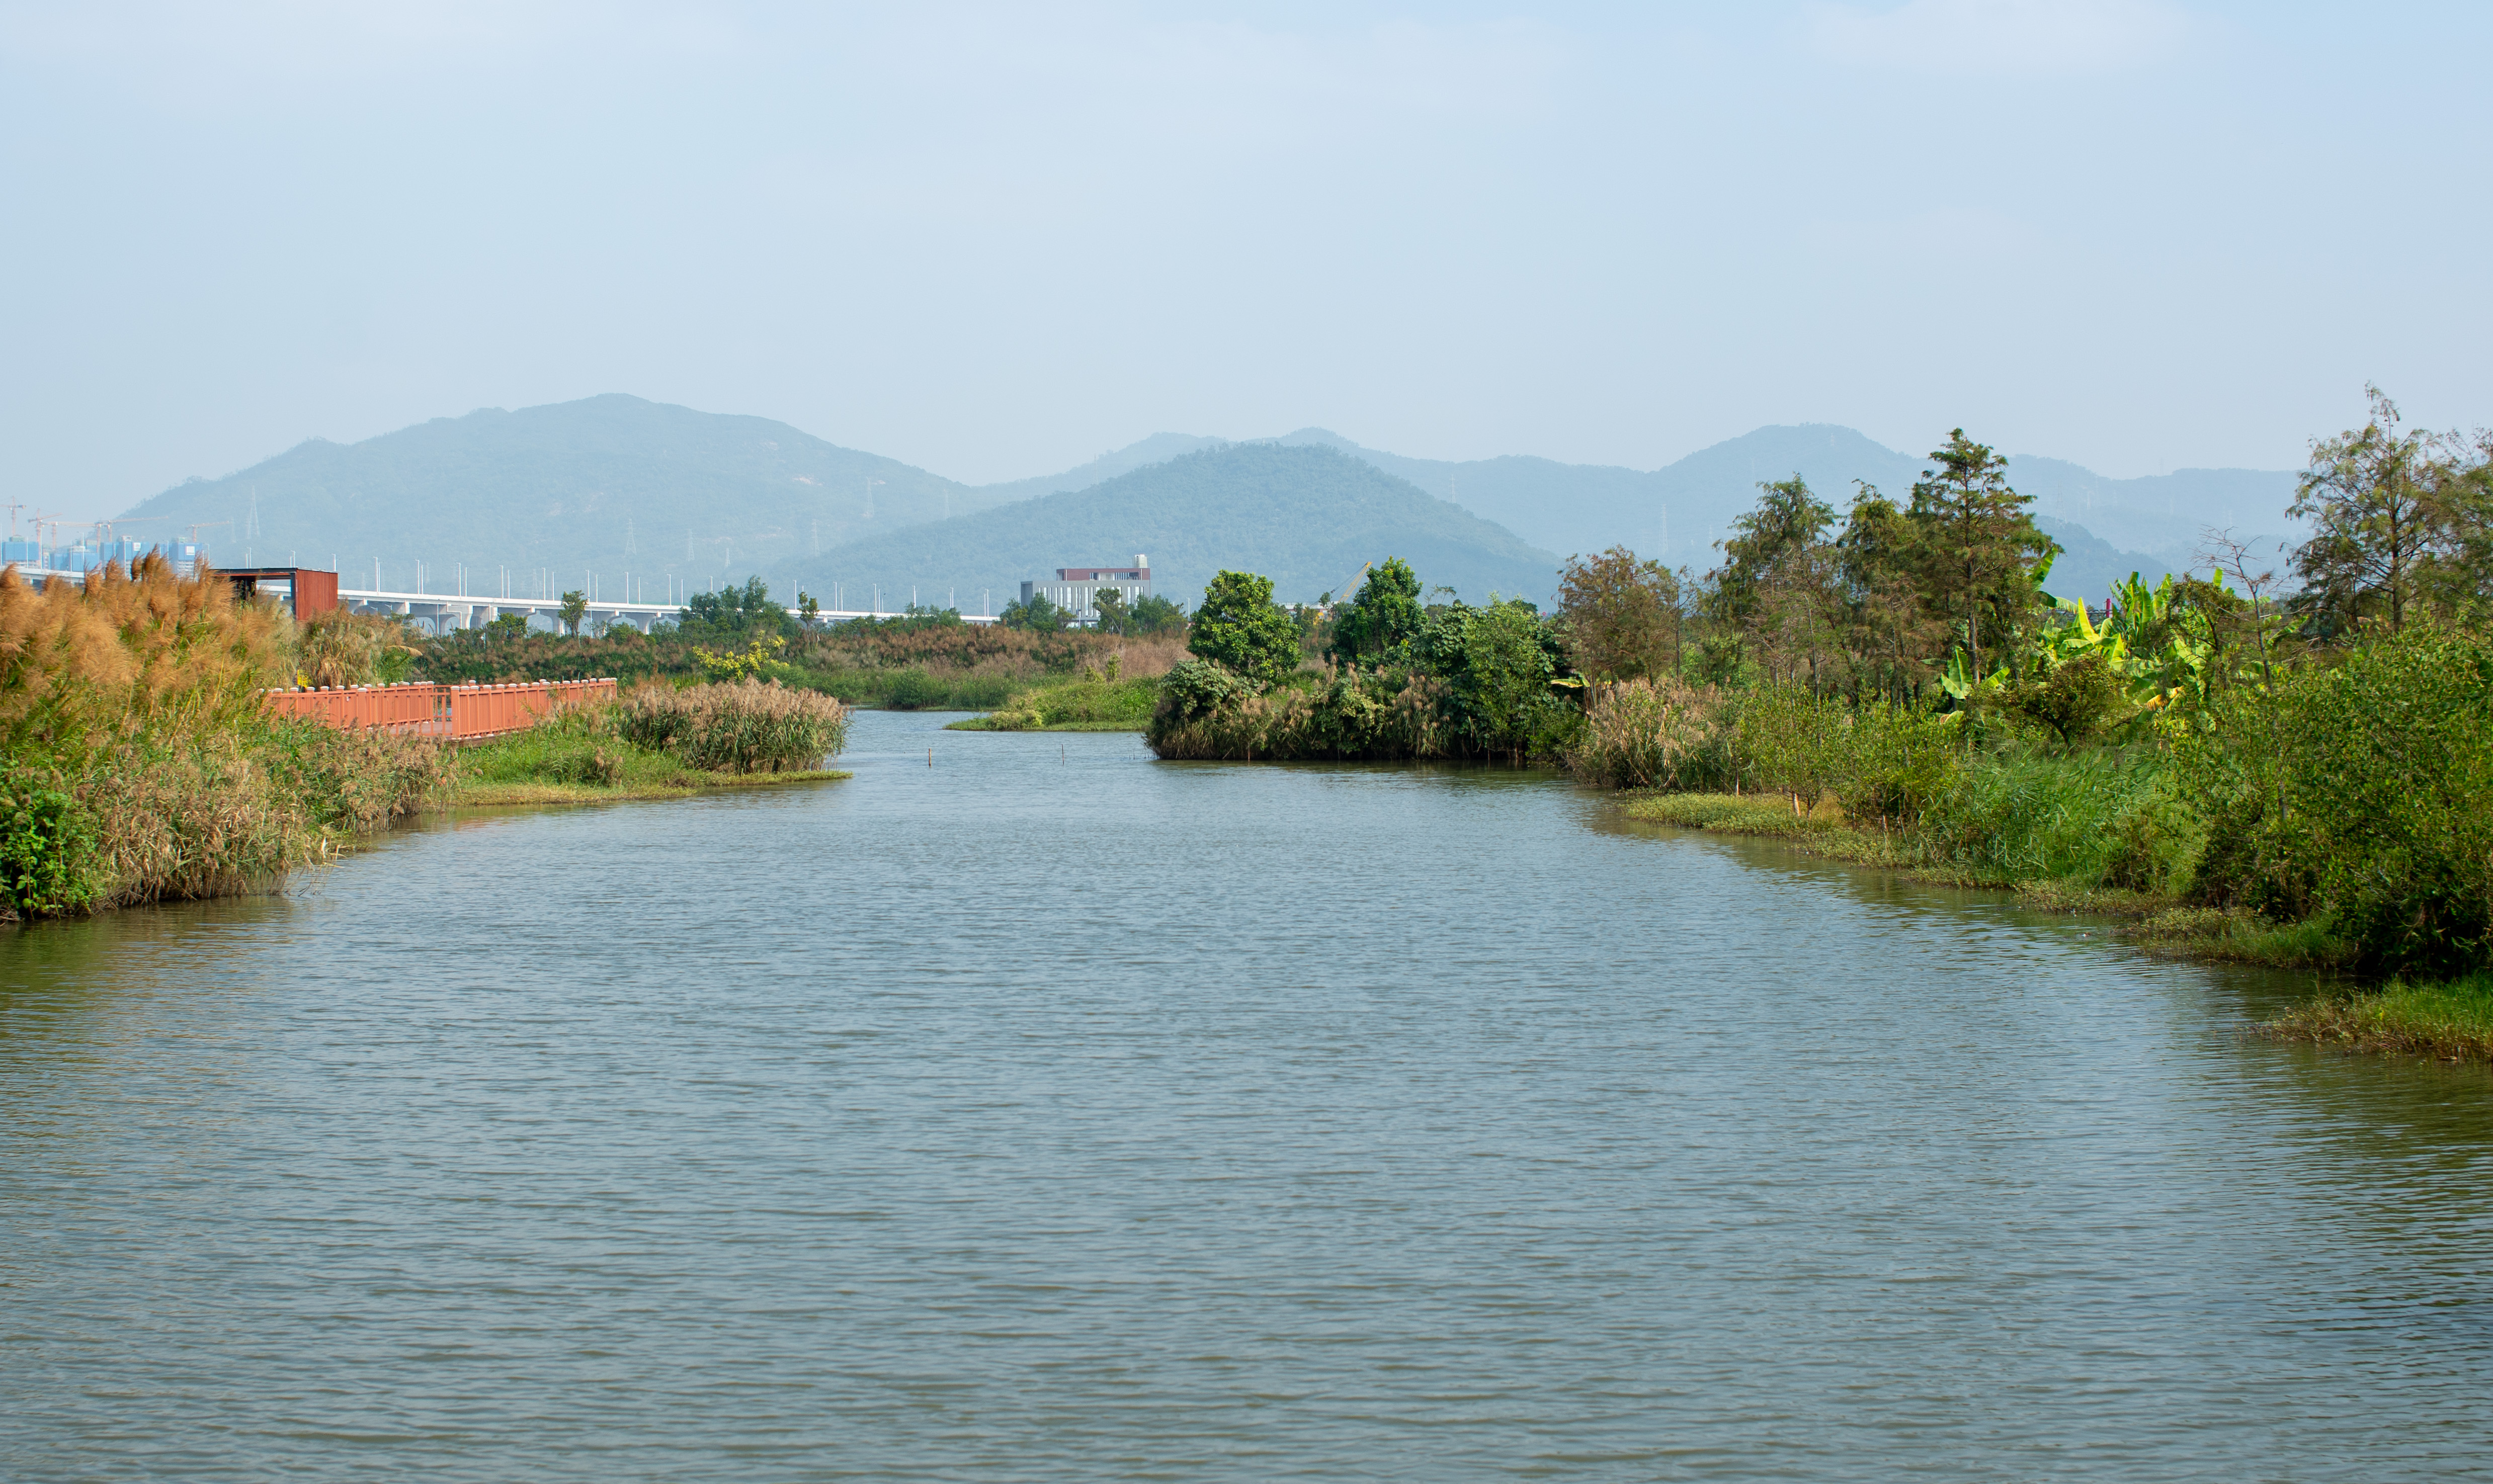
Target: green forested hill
x: 1308, y: 517
x: 612, y: 483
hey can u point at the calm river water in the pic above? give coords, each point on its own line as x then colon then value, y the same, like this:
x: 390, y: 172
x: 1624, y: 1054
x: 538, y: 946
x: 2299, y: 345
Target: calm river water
x: 1054, y: 1113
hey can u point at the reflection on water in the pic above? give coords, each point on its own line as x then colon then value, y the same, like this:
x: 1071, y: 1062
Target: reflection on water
x: 1049, y: 1112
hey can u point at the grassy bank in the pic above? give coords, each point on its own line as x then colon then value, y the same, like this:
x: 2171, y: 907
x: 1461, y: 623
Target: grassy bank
x: 1089, y: 704
x: 564, y: 762
x: 2159, y: 920
x: 660, y: 742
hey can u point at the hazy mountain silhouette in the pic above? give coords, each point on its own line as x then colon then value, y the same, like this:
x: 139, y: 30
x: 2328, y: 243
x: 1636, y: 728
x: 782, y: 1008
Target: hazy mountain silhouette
x: 1309, y: 518
x: 616, y: 484
x: 612, y: 483
x: 1158, y: 448
x: 2109, y: 528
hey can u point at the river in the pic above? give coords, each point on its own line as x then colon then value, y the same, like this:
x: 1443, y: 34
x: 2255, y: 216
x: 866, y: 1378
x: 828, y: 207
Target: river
x: 1050, y: 1112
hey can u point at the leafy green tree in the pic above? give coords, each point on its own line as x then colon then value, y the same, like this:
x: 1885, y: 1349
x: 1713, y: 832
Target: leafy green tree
x: 1036, y: 614
x: 2387, y: 508
x: 2073, y: 699
x: 1977, y: 543
x: 1878, y: 558
x: 808, y: 605
x: 2461, y: 575
x: 734, y: 612
x: 1498, y: 662
x: 507, y: 628
x: 1239, y: 626
x: 1110, y: 605
x: 1382, y: 618
x: 1155, y: 615
x: 1622, y: 616
x: 1788, y: 519
x: 575, y: 608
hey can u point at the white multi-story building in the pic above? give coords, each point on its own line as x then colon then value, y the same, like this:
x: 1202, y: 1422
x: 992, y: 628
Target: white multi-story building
x: 1079, y: 589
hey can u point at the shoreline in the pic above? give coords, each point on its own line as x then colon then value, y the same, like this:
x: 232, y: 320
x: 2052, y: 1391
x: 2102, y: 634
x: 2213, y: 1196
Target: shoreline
x: 497, y: 795
x: 2447, y: 1021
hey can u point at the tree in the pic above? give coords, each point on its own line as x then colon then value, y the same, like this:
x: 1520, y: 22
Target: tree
x: 575, y: 608
x: 806, y: 604
x: 1239, y: 626
x: 1878, y: 558
x: 1035, y: 614
x: 1977, y: 541
x: 2380, y: 504
x: 734, y: 612
x: 1155, y: 615
x: 1111, y: 606
x: 2460, y: 578
x: 1620, y: 615
x: 1788, y: 519
x: 1382, y: 618
x: 1497, y: 663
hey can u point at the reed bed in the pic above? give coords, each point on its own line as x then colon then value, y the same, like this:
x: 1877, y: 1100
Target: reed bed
x: 137, y: 763
x: 743, y: 726
x: 1344, y: 715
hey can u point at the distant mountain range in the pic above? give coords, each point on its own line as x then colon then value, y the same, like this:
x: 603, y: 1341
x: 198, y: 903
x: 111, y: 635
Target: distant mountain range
x: 1308, y: 517
x: 609, y: 484
x: 614, y: 485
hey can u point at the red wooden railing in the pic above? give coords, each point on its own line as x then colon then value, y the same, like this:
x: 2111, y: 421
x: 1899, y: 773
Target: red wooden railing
x: 459, y: 713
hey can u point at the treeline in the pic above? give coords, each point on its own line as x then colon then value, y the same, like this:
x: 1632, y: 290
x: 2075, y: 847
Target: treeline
x: 924, y: 659
x: 2298, y: 752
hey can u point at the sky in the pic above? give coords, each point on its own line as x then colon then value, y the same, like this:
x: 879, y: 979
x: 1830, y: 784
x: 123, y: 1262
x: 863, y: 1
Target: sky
x: 997, y: 240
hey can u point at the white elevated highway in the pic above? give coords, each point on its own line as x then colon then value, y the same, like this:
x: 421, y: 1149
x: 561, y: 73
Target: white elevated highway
x: 446, y: 611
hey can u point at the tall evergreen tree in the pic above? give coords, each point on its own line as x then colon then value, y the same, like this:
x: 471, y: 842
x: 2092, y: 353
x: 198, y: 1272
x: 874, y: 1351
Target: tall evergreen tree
x: 1977, y: 539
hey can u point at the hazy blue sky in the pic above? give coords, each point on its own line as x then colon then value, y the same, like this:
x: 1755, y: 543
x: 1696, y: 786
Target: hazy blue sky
x: 997, y: 240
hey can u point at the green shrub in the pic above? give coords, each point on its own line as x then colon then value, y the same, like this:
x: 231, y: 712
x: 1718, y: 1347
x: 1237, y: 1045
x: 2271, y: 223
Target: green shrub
x: 2005, y: 819
x: 1901, y: 759
x: 913, y: 688
x: 1194, y: 688
x: 2362, y: 791
x: 1785, y: 740
x: 48, y: 857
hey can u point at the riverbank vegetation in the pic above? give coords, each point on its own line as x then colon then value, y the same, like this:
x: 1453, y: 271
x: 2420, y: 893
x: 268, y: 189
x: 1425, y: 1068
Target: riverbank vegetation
x: 660, y: 742
x: 927, y: 660
x: 2283, y: 757
x: 1099, y: 698
x: 138, y: 762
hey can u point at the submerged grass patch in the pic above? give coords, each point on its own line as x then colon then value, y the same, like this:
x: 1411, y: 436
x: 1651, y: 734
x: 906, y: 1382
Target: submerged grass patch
x: 1089, y: 703
x: 2453, y: 1020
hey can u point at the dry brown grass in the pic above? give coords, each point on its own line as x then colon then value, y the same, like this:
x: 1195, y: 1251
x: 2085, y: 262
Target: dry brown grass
x: 128, y: 648
x: 343, y: 648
